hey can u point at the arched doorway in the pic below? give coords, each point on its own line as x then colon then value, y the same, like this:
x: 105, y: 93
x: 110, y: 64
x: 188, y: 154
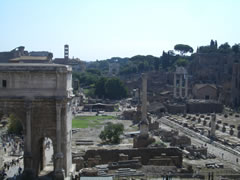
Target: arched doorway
x: 46, y: 160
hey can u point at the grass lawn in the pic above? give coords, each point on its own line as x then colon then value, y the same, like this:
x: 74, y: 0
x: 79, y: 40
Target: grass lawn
x: 89, y: 121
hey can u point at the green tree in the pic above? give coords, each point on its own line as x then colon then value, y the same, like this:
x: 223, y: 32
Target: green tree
x: 86, y: 78
x: 14, y: 125
x: 111, y: 133
x: 94, y: 71
x: 115, y: 89
x: 224, y: 48
x: 141, y: 67
x: 212, y: 44
x: 171, y: 53
x: 156, y: 64
x: 182, y: 62
x: 128, y: 69
x: 100, y: 87
x: 165, y: 60
x: 168, y: 60
x: 216, y: 44
x: 182, y: 48
x: 236, y: 48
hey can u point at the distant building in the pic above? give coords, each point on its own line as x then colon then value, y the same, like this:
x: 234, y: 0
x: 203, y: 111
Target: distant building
x: 204, y: 91
x: 19, y: 55
x: 39, y: 53
x: 30, y: 59
x: 180, y: 83
x: 75, y: 63
x: 17, y: 52
x: 66, y: 51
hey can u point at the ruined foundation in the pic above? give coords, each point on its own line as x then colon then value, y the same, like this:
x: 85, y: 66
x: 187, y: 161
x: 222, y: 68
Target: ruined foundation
x: 142, y: 141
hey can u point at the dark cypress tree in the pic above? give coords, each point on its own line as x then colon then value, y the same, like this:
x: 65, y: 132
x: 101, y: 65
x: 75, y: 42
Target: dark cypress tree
x: 215, y: 44
x: 212, y: 44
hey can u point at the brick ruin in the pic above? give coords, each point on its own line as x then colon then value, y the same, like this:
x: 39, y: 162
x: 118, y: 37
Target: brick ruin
x: 171, y: 156
x: 210, y: 69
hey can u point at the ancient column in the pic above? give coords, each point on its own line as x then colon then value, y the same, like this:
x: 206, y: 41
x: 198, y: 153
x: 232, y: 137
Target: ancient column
x: 144, y: 121
x: 174, y: 86
x: 28, y: 128
x: 213, y: 126
x: 58, y: 132
x: 28, y: 163
x: 186, y: 86
x: 59, y: 171
x: 144, y: 97
x: 180, y: 87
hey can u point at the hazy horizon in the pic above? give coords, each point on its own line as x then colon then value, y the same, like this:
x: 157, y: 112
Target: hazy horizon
x: 116, y: 28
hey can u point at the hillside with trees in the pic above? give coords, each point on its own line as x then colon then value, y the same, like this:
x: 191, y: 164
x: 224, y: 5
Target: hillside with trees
x: 209, y: 58
x: 96, y: 85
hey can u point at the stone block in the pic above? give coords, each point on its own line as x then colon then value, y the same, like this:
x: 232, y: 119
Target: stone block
x: 123, y: 157
x: 89, y: 172
x: 139, y: 158
x: 91, y: 162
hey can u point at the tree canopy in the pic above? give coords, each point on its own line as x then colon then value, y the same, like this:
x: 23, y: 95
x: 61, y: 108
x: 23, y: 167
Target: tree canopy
x: 111, y: 133
x: 182, y: 62
x: 168, y: 60
x: 236, y: 48
x: 14, y: 125
x: 182, y: 48
x: 225, y: 48
x: 100, y: 87
x: 115, y: 89
x: 94, y: 71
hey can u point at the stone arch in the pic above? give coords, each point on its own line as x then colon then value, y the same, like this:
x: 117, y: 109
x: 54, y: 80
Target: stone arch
x: 40, y: 96
x: 41, y: 118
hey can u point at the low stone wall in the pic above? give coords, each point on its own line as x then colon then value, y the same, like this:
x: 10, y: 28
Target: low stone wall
x: 193, y: 150
x: 204, y: 106
x: 195, y: 106
x: 176, y: 108
x: 180, y: 141
x: 145, y: 155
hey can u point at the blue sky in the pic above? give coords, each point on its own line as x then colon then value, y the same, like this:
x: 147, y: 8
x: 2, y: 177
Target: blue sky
x: 101, y: 29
